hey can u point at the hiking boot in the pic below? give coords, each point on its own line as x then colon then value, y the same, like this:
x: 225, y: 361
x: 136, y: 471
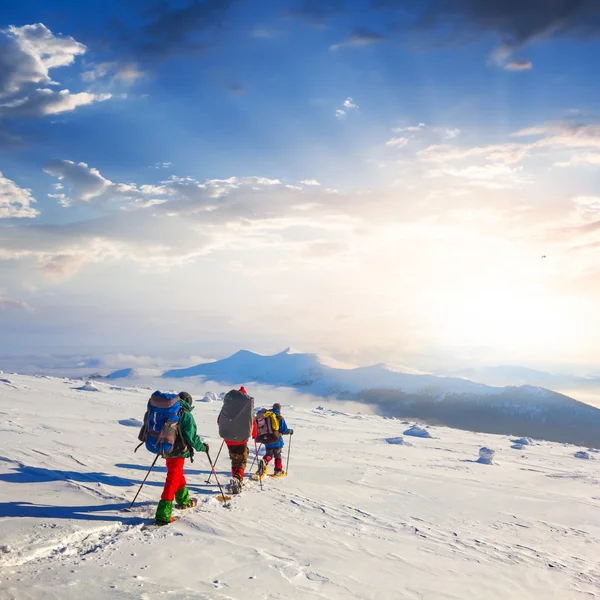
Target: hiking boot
x: 236, y: 485
x: 191, y: 504
x: 161, y: 523
x: 263, y: 467
x: 277, y: 472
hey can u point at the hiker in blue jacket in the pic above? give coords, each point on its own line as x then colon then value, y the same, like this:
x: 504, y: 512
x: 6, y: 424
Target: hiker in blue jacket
x: 274, y: 450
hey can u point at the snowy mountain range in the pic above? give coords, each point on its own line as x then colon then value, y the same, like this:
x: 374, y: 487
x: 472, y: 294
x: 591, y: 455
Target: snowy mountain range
x: 514, y: 375
x: 453, y: 401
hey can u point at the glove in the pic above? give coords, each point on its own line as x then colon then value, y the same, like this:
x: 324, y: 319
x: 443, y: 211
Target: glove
x: 206, y: 447
x: 290, y: 432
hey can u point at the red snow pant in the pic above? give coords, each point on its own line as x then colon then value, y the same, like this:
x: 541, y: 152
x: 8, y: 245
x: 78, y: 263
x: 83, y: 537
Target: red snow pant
x: 274, y: 452
x: 175, y: 478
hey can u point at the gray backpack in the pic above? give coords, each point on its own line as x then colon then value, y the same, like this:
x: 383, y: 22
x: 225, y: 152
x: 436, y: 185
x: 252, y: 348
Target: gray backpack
x: 235, y: 419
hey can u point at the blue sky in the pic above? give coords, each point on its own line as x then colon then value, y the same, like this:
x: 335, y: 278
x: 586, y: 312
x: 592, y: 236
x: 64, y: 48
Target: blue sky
x: 377, y: 180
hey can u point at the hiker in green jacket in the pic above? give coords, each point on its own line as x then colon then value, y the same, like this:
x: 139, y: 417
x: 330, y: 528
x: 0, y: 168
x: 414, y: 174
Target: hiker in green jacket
x: 175, y: 485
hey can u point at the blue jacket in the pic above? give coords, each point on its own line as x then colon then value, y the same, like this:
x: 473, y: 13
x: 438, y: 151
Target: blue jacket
x: 283, y: 428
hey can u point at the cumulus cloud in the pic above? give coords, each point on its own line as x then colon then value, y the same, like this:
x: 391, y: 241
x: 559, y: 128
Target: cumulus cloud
x: 15, y: 202
x: 27, y: 56
x: 349, y: 104
x: 44, y: 102
x: 29, y: 52
x: 339, y: 113
x: 84, y: 182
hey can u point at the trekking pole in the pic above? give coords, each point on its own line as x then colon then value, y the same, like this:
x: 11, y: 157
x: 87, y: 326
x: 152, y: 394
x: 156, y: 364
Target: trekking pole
x: 212, y: 466
x: 256, y: 452
x: 143, y: 482
x: 216, y: 461
x: 288, y: 456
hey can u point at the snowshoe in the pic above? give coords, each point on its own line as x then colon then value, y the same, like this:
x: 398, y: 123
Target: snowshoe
x: 278, y: 473
x: 156, y: 524
x: 263, y: 467
x: 193, y: 503
x: 235, y: 486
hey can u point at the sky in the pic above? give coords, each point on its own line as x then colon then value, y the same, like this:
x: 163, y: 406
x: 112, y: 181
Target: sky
x: 404, y: 181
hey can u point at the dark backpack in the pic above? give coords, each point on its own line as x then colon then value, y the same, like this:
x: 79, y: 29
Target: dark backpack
x: 267, y: 427
x: 160, y: 431
x: 235, y: 418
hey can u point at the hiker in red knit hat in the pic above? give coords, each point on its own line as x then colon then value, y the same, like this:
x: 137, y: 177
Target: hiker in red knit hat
x: 236, y: 424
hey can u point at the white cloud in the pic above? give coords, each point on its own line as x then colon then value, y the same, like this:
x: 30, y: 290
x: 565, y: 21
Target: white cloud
x: 15, y: 202
x: 114, y: 71
x: 450, y: 134
x: 587, y: 208
x: 28, y: 55
x: 360, y: 37
x: 340, y: 113
x: 491, y: 176
x: 410, y: 129
x: 44, y: 102
x: 348, y: 103
x: 397, y: 142
x: 31, y: 52
x: 84, y: 182
x: 519, y: 65
x: 507, y: 153
x: 588, y: 158
x: 310, y: 182
x: 563, y: 135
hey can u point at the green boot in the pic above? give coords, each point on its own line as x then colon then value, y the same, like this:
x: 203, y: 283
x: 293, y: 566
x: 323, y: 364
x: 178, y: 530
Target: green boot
x: 182, y: 497
x: 164, y: 512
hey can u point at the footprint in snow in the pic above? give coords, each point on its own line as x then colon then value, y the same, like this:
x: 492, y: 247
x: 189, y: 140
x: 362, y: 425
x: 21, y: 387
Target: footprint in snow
x: 316, y: 577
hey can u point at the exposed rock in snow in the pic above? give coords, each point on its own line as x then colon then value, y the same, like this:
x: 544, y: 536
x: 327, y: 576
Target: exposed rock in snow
x: 209, y: 397
x: 221, y: 395
x: 397, y: 441
x: 583, y: 454
x: 517, y: 446
x: 524, y: 441
x: 416, y: 431
x: 88, y: 387
x: 486, y: 456
x: 131, y: 422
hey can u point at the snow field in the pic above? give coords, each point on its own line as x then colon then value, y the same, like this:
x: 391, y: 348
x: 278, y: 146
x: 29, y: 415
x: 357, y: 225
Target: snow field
x: 358, y: 517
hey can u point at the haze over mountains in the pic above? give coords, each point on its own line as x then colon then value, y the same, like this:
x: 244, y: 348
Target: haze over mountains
x: 453, y: 401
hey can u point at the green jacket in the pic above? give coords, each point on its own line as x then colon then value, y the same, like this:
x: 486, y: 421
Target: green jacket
x: 187, y: 426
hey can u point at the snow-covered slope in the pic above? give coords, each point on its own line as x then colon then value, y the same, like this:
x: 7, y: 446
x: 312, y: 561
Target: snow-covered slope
x: 361, y: 516
x: 524, y: 410
x: 129, y: 373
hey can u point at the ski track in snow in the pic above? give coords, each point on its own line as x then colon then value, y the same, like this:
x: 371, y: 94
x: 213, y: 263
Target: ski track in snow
x: 357, y: 518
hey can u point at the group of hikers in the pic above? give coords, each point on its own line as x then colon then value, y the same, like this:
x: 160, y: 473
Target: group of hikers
x: 169, y: 430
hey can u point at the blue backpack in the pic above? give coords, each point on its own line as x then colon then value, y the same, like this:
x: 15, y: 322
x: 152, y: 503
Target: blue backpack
x: 160, y: 431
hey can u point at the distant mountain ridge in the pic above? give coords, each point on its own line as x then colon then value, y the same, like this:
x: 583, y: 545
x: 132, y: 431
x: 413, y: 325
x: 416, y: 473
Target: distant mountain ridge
x: 453, y: 401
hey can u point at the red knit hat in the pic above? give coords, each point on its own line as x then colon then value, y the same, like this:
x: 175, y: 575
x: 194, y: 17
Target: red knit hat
x: 243, y: 390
